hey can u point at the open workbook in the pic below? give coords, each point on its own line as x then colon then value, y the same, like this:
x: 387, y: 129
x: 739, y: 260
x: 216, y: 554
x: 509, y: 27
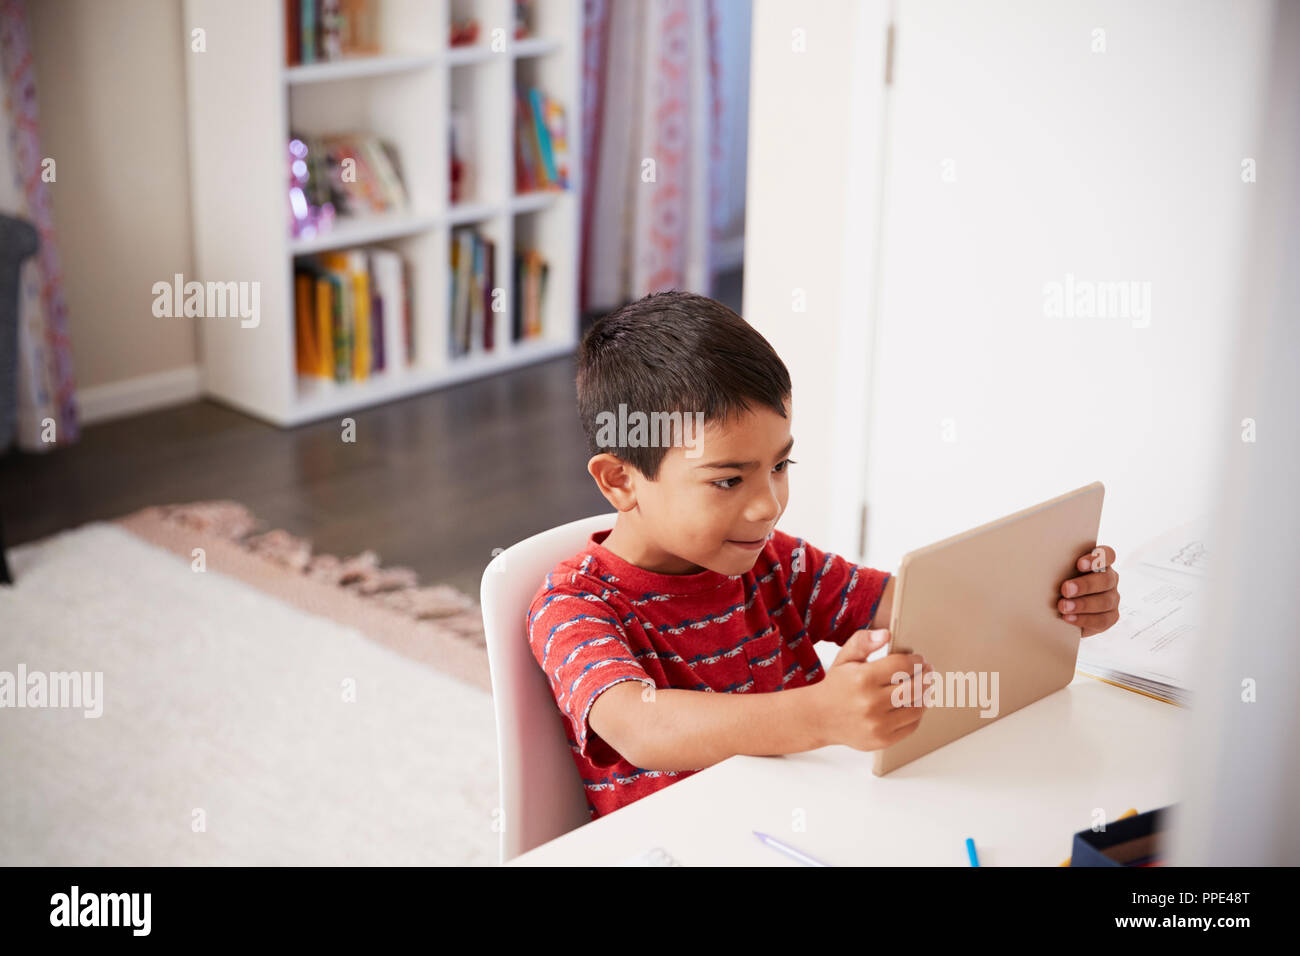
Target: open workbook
x: 1162, y: 618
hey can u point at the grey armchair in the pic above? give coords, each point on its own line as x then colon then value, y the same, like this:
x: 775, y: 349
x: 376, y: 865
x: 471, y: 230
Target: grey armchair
x: 18, y: 241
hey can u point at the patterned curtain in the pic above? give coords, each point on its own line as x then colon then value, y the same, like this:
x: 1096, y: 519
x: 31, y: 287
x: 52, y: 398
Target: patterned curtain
x: 652, y: 150
x: 46, y: 388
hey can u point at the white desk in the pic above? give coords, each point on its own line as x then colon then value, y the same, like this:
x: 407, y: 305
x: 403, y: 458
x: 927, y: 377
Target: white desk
x: 1020, y: 787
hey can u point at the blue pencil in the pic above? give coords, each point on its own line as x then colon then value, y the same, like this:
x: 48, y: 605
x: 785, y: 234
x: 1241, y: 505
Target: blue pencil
x: 970, y: 852
x: 789, y: 851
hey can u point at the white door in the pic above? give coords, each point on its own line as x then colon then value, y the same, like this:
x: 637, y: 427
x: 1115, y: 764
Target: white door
x: 1062, y: 235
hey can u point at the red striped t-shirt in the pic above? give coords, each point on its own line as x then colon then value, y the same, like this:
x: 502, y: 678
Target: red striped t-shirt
x: 599, y: 620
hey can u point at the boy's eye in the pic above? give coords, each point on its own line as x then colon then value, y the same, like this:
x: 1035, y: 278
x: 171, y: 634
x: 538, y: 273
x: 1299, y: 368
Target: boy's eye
x: 779, y: 467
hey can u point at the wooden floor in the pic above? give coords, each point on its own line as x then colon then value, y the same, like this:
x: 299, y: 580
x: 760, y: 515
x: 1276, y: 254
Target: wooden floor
x: 434, y: 482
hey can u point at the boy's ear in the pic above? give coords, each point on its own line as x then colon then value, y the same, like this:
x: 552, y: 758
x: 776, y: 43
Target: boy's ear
x: 615, y: 479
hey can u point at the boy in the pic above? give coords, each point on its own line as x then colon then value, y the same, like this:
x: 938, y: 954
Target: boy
x: 665, y: 639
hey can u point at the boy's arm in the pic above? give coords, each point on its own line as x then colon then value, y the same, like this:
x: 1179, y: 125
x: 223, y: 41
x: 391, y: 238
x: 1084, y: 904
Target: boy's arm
x: 667, y: 729
x: 858, y: 703
x: 886, y: 605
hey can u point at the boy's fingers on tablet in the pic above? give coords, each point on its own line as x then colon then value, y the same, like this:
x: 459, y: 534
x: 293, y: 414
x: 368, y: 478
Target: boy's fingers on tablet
x: 861, y: 644
x: 899, y: 663
x: 904, y: 698
x: 1090, y: 583
x: 1092, y: 604
x: 1089, y: 561
x: 906, y: 725
x: 909, y: 695
x: 1096, y: 623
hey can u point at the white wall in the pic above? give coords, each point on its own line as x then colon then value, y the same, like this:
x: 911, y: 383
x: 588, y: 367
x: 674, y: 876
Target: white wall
x: 809, y: 237
x: 111, y: 88
x: 1240, y: 756
x: 1122, y: 165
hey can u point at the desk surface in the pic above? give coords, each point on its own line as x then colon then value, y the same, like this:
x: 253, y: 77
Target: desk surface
x: 1020, y: 787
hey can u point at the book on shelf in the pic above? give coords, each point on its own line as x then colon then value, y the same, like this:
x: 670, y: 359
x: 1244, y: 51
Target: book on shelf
x: 292, y: 32
x: 557, y: 134
x: 461, y: 145
x: 541, y: 142
x: 323, y: 31
x: 352, y: 314
x: 472, y: 318
x: 391, y: 308
x: 523, y: 17
x: 349, y: 175
x: 530, y: 291
x: 463, y: 32
x: 330, y: 38
x: 362, y: 174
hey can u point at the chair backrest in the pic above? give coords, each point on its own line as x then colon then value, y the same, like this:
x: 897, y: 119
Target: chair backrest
x: 542, y: 796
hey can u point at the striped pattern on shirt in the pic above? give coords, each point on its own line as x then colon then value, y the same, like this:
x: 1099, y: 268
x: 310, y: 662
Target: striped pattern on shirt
x: 598, y: 621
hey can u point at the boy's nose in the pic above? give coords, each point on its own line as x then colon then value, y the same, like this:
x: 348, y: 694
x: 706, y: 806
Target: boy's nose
x: 764, y: 510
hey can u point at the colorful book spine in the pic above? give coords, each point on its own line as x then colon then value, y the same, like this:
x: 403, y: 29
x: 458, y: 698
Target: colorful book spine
x: 329, y: 41
x: 408, y: 308
x: 378, y: 351
x: 557, y: 130
x: 352, y: 314
x: 531, y: 294
x: 530, y: 274
x: 517, y: 300
x: 386, y: 271
x: 476, y: 289
x: 324, y: 305
x: 454, y: 297
x: 359, y: 278
x: 543, y: 137
x: 472, y: 294
x: 545, y: 268
x: 489, y: 274
x: 293, y: 31
x: 319, y: 31
x: 305, y: 323
x: 526, y: 143
x: 342, y: 327
x: 460, y: 284
x: 308, y: 31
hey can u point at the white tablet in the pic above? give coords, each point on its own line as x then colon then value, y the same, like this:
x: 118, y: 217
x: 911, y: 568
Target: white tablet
x: 981, y: 608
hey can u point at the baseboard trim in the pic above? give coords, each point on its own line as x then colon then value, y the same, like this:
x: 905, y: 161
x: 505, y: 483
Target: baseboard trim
x: 144, y: 393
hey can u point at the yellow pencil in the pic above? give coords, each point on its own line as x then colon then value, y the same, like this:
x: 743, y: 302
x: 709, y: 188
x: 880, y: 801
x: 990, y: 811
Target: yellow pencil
x: 1127, y: 813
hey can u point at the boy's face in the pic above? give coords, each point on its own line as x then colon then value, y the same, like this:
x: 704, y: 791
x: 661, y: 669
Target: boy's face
x: 715, y: 509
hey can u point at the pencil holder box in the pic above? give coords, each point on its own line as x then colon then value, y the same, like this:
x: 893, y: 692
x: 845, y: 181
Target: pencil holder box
x: 1132, y: 841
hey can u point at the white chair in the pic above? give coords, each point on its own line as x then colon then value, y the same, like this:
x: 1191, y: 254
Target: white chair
x: 542, y: 796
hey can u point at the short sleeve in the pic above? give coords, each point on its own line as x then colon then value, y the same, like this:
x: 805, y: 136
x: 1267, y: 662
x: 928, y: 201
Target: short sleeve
x: 583, y: 651
x: 836, y: 597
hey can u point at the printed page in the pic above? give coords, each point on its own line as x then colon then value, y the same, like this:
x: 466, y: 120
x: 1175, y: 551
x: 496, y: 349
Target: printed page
x: 1184, y: 549
x: 1161, y: 623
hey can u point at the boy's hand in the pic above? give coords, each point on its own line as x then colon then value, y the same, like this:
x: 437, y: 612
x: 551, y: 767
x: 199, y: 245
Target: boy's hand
x: 1090, y: 600
x: 857, y: 698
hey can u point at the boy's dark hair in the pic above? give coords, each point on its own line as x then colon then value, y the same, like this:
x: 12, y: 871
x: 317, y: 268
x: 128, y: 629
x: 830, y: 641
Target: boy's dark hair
x: 674, y: 352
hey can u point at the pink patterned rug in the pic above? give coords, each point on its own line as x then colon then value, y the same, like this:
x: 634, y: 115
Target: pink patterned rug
x: 437, y: 625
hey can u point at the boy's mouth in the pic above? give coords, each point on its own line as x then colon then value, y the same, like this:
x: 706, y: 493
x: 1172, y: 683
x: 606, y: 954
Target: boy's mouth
x: 748, y: 545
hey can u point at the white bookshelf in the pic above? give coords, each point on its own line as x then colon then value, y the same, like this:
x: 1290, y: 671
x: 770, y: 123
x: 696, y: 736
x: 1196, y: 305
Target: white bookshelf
x: 244, y: 101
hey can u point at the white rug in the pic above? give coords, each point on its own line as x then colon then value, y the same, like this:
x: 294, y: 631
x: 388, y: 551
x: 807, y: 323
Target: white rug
x: 224, y: 705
